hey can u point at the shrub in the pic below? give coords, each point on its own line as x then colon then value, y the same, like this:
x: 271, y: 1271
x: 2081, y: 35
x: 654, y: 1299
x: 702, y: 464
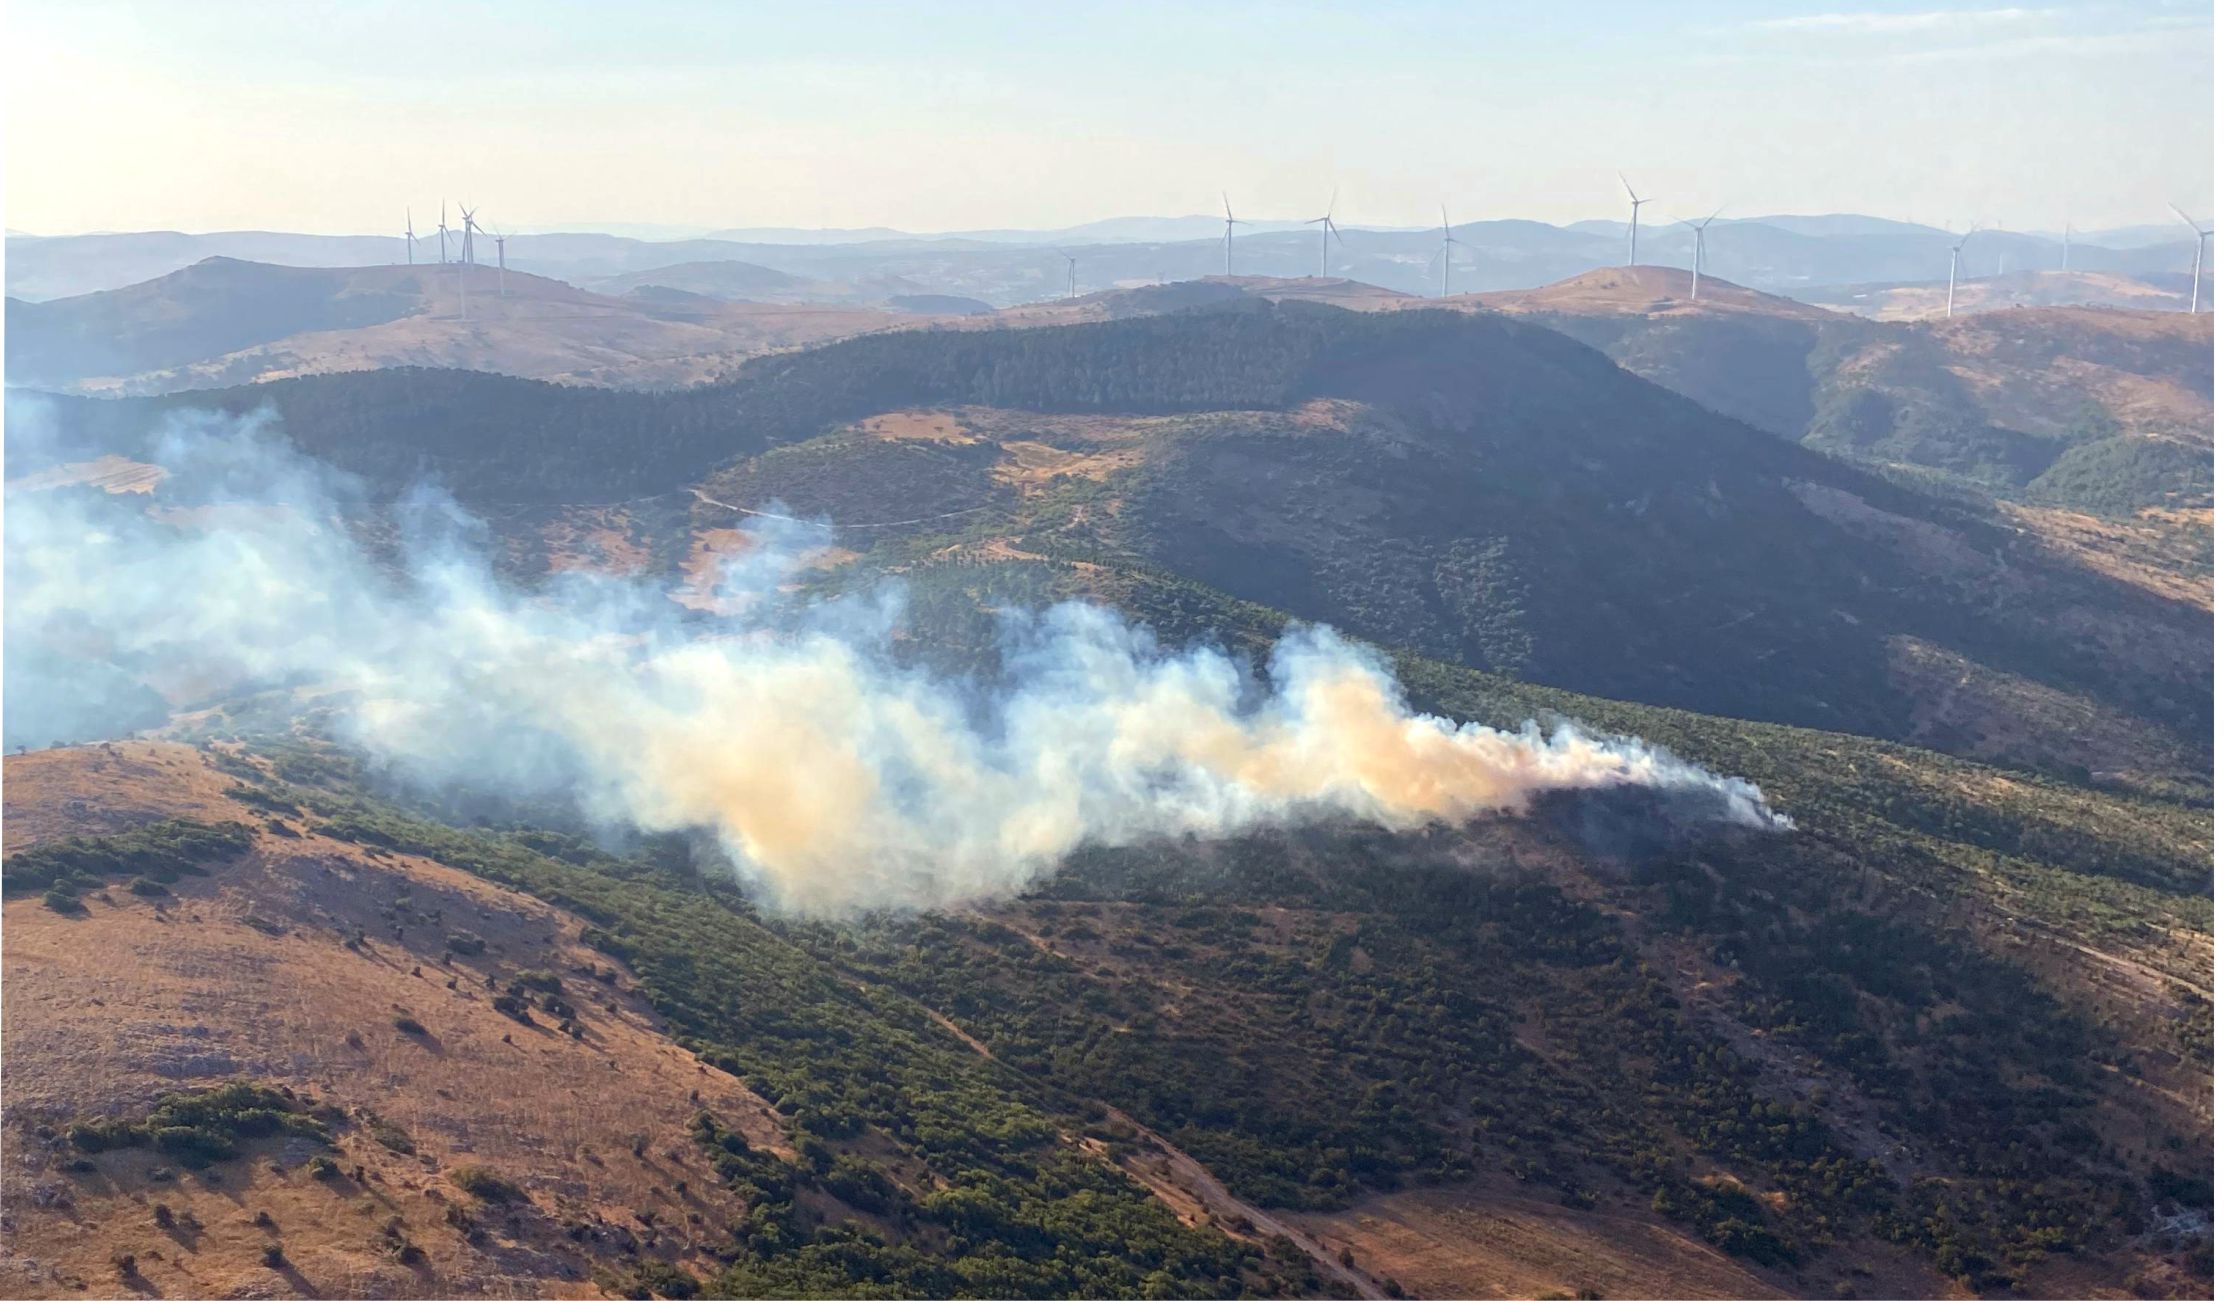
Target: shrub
x: 159, y: 851
x: 484, y: 1184
x: 664, y: 1279
x: 201, y: 1128
x: 547, y: 982
x: 409, y: 1025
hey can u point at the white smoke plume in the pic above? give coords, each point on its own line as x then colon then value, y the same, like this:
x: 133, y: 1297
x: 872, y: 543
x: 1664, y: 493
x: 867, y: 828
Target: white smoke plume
x: 835, y: 777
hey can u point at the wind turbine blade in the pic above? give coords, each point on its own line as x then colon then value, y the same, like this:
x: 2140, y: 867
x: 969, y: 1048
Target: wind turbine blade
x: 2182, y: 217
x: 1225, y: 207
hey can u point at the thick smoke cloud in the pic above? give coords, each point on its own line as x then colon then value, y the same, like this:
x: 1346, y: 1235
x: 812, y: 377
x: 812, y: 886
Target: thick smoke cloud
x: 835, y: 777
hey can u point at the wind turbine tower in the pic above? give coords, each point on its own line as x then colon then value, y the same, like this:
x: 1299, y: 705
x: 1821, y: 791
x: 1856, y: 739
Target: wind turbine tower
x: 1229, y: 240
x: 1445, y: 286
x: 1953, y: 271
x: 2065, y: 246
x: 409, y: 235
x: 501, y: 265
x: 1699, y: 248
x: 1070, y: 261
x: 1634, y: 204
x: 2200, y: 248
x: 1327, y: 222
x: 470, y: 224
x: 443, y: 232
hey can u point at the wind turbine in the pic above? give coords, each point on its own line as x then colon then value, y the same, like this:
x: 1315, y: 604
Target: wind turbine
x: 1446, y: 252
x: 501, y: 265
x: 1230, y: 238
x: 470, y: 224
x: 1699, y: 248
x: 409, y: 235
x: 1070, y: 260
x: 1953, y: 271
x: 1634, y: 204
x: 443, y: 232
x: 2065, y: 244
x: 1327, y: 222
x: 2200, y: 247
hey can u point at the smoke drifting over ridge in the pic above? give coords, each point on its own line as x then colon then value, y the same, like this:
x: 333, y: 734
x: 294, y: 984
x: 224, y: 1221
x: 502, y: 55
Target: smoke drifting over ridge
x: 835, y: 777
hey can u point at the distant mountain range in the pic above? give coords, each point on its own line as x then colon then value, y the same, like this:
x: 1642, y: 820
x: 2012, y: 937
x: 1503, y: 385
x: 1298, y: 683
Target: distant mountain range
x: 1783, y: 254
x: 2049, y: 403
x: 225, y: 321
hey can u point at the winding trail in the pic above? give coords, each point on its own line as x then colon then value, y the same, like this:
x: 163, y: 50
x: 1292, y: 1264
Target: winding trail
x: 709, y: 500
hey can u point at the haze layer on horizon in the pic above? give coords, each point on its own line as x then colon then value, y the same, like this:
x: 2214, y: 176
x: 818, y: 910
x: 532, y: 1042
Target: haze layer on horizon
x: 239, y: 114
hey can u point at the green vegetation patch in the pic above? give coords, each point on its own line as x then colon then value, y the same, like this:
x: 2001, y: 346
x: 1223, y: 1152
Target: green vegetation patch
x: 200, y: 1128
x: 158, y: 853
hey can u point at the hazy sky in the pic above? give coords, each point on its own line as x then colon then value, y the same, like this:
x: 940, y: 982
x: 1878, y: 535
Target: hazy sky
x: 209, y: 114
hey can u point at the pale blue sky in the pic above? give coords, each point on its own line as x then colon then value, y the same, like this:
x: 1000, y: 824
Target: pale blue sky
x: 331, y: 117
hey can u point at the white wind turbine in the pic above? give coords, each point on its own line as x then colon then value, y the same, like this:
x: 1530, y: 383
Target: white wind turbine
x: 1070, y: 261
x: 443, y: 232
x: 1699, y: 248
x: 409, y: 235
x: 501, y: 265
x: 2200, y: 248
x: 470, y: 225
x: 1445, y: 252
x: 1634, y: 204
x: 1327, y: 222
x: 1229, y: 240
x: 1953, y: 271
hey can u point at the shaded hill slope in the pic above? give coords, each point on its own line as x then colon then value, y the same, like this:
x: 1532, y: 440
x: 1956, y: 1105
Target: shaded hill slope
x: 1471, y: 486
x: 2093, y: 408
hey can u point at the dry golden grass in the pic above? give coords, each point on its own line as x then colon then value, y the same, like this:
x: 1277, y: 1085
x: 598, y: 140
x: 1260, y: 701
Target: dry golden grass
x: 594, y: 539
x: 1487, y: 1241
x: 1030, y: 465
x: 110, y: 473
x: 247, y: 974
x: 934, y: 426
x: 113, y: 786
x: 2026, y: 289
x: 2159, y: 550
x: 1634, y: 291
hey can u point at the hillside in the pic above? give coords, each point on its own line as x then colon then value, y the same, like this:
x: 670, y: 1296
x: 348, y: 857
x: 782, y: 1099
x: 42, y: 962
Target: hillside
x: 223, y: 322
x: 1470, y: 486
x: 1907, y: 302
x: 2098, y: 409
x: 1950, y: 1034
x: 1947, y: 1033
x: 490, y: 1093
